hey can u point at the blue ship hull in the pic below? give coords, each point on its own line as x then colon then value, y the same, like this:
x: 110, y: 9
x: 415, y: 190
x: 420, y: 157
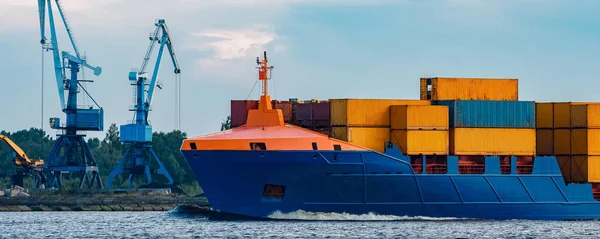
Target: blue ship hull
x: 360, y: 182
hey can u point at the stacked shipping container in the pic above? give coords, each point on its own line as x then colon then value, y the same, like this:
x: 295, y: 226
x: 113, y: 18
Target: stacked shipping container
x: 420, y: 129
x: 364, y: 122
x: 468, y: 117
x: 571, y: 131
x: 313, y: 115
x: 498, y: 127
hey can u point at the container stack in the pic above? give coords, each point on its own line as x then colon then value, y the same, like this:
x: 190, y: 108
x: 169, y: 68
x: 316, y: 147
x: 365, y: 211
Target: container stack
x: 571, y: 132
x: 313, y: 115
x: 364, y: 122
x: 491, y: 127
x: 419, y: 129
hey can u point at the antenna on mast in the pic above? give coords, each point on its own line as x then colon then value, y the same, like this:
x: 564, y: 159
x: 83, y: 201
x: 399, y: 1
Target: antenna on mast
x: 263, y: 70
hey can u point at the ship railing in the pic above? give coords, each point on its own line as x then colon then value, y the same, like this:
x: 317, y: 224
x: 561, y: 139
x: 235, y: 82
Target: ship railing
x: 417, y: 168
x: 471, y: 169
x: 437, y: 168
x: 524, y: 169
x: 505, y: 169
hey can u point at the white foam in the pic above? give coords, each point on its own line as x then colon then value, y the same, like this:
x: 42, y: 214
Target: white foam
x: 332, y: 216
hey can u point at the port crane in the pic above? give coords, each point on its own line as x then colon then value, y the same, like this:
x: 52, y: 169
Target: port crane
x: 137, y: 158
x: 70, y: 154
x: 25, y: 165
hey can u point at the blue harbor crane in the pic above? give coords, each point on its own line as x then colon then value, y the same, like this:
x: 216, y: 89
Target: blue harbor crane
x: 70, y: 153
x: 137, y: 158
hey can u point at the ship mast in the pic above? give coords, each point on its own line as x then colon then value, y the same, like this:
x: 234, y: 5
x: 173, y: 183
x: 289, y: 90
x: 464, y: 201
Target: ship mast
x: 263, y: 75
x: 265, y: 115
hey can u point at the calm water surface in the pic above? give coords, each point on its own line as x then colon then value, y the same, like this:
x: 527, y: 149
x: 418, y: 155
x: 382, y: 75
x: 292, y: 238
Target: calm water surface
x: 176, y: 224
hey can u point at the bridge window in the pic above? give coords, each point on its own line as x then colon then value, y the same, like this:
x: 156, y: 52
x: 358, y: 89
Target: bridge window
x: 524, y: 164
x: 258, y: 146
x: 416, y: 162
x: 474, y: 164
x: 505, y: 164
x: 437, y: 164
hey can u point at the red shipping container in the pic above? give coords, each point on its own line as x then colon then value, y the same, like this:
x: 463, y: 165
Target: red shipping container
x: 302, y: 112
x: 239, y: 111
x: 285, y: 107
x: 321, y: 111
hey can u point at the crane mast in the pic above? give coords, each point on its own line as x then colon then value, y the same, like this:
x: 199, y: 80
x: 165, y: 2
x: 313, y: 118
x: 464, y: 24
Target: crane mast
x: 137, y: 159
x: 70, y: 154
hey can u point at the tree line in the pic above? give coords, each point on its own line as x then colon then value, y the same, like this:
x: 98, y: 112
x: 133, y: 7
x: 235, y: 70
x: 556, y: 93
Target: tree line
x: 107, y: 152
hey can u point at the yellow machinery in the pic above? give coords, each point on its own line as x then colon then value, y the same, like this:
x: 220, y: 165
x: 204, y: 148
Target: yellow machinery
x: 26, y: 165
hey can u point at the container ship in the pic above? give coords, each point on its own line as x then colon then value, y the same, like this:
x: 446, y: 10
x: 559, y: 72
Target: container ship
x: 468, y: 148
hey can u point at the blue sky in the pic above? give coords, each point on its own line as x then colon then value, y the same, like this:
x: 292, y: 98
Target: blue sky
x: 320, y: 49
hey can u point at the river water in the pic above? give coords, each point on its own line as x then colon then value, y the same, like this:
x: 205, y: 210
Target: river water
x: 182, y: 224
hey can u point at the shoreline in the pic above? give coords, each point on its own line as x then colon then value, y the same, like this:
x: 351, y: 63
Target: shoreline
x: 98, y: 203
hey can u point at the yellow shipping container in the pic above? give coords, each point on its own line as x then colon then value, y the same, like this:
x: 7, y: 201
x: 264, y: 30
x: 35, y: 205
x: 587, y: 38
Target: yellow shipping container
x: 443, y: 88
x: 544, y: 142
x: 562, y: 115
x: 492, y: 141
x: 421, y: 142
x: 562, y: 142
x: 544, y: 116
x: 585, y: 142
x: 585, y: 115
x: 372, y: 138
x: 419, y: 117
x: 580, y: 169
x: 365, y: 112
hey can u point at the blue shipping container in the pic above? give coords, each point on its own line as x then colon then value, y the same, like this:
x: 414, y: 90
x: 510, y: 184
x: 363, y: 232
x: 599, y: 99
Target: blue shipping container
x: 490, y: 113
x: 90, y: 119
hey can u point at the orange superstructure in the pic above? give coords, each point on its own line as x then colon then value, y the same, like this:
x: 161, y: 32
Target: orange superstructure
x: 265, y: 129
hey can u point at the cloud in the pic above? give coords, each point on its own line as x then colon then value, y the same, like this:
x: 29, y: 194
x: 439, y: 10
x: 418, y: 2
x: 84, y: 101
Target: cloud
x: 228, y: 46
x: 232, y: 44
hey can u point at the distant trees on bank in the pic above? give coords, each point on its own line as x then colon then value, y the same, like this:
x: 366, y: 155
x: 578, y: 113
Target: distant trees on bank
x: 107, y: 152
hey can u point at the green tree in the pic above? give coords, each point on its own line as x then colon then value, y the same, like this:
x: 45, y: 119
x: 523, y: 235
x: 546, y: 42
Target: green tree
x: 112, y: 138
x: 225, y: 125
x: 107, y: 152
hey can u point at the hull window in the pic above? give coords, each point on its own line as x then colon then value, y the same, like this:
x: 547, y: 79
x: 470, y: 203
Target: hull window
x: 524, y: 165
x: 193, y: 146
x: 471, y: 164
x: 258, y: 146
x: 437, y: 164
x: 314, y: 146
x: 273, y: 192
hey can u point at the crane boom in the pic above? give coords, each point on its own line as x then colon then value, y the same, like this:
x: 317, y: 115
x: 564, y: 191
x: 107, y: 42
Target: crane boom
x: 165, y: 39
x: 21, y: 158
x: 59, y: 65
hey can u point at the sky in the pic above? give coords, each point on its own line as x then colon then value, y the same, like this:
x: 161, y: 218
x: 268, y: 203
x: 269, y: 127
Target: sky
x: 320, y: 49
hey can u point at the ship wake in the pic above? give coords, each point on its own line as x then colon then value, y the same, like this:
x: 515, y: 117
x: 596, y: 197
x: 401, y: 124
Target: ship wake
x: 332, y: 216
